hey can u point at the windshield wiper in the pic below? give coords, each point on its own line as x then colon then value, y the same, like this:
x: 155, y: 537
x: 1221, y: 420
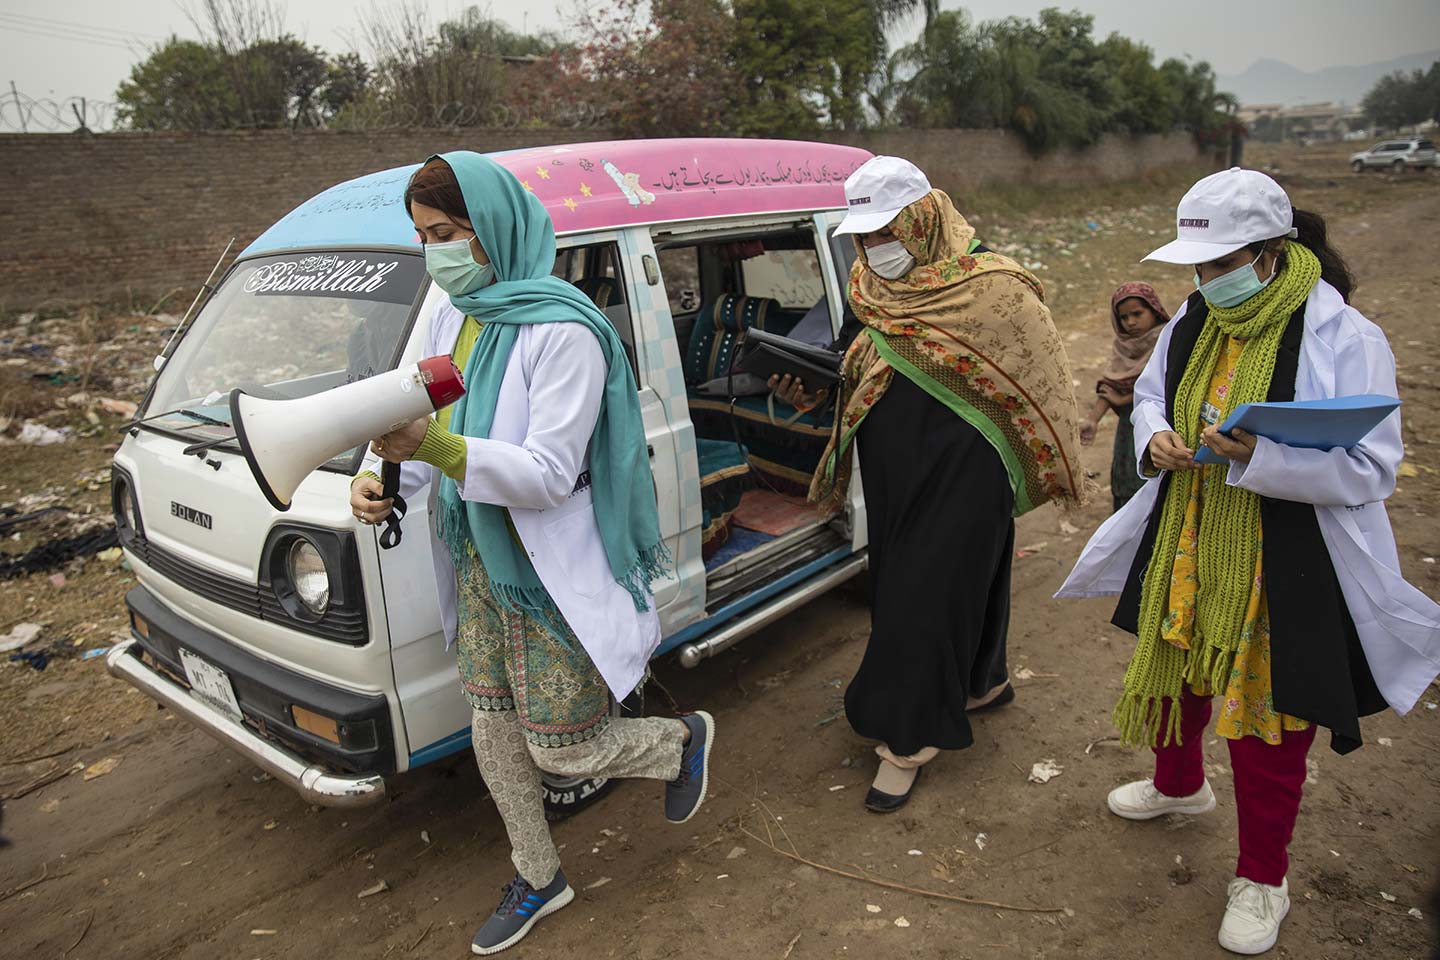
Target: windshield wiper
x: 181, y: 412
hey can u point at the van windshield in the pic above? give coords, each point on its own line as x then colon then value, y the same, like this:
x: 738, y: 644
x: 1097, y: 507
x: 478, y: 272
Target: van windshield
x: 287, y: 326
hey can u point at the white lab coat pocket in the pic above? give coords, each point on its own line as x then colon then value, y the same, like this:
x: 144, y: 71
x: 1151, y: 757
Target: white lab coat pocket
x: 576, y: 544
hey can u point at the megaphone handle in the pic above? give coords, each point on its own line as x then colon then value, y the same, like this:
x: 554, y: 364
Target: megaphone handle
x: 390, y: 482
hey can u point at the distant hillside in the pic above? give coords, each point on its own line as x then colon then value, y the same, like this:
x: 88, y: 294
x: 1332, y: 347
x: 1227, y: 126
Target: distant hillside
x: 1270, y: 81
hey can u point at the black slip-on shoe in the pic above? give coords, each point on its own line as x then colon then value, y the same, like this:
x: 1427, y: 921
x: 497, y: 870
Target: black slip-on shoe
x: 879, y: 802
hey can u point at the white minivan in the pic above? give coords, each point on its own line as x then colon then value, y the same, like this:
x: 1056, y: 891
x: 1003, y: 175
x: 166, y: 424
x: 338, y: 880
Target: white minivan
x: 293, y: 637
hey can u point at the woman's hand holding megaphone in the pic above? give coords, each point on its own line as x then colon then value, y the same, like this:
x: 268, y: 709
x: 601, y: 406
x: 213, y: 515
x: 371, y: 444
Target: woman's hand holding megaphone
x: 400, y: 445
x: 368, y: 501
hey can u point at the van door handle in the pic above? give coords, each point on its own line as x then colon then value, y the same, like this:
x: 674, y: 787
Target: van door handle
x: 651, y: 448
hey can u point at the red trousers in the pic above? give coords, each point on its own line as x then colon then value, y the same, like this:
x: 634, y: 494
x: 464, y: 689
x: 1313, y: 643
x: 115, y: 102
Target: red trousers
x: 1268, y: 782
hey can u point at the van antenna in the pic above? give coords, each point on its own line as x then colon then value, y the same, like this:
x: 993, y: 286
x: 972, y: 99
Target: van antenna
x: 204, y: 292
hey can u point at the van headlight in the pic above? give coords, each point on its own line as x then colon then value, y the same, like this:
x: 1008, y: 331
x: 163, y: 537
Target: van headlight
x: 310, y: 579
x: 123, y: 505
x: 309, y: 576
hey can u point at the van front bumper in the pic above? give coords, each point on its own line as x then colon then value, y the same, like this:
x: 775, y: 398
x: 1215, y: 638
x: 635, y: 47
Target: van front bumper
x: 258, y: 690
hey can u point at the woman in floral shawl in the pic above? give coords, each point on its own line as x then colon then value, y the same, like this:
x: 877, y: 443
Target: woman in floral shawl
x: 978, y: 427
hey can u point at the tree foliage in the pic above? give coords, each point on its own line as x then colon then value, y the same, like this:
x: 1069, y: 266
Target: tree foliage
x: 692, y: 67
x: 1403, y: 100
x: 245, y: 72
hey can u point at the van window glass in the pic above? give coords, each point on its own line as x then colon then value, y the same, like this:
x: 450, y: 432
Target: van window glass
x: 288, y: 326
x: 790, y: 276
x: 842, y: 248
x: 595, y: 269
x: 680, y: 267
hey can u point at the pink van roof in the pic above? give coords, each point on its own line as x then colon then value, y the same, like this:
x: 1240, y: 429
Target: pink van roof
x: 618, y: 183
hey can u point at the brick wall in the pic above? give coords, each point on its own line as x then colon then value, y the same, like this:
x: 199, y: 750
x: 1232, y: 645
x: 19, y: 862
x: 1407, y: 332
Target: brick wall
x: 87, y: 217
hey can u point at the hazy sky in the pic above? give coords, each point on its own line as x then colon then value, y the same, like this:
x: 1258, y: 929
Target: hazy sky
x: 63, y: 48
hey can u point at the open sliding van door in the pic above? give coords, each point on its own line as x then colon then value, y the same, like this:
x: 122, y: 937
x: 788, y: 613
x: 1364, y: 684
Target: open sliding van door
x: 837, y: 253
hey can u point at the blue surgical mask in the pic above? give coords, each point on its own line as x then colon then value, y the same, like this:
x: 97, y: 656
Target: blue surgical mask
x: 1237, y: 286
x: 453, y: 268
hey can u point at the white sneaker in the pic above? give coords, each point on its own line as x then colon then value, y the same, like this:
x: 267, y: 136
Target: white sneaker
x: 1141, y: 801
x: 1252, y: 918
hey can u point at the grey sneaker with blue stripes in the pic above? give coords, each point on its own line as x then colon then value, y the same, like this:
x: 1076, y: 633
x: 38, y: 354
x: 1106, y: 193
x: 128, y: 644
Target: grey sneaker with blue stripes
x: 685, y: 794
x: 520, y: 908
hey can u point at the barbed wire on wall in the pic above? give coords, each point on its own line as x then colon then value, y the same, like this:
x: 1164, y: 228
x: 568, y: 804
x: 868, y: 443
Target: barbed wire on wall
x: 21, y: 113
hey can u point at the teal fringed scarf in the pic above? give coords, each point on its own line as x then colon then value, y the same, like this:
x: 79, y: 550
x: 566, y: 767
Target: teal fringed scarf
x: 517, y: 234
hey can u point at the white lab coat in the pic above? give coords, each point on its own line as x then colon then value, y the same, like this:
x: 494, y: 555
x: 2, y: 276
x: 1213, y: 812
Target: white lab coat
x: 538, y: 446
x: 1341, y: 354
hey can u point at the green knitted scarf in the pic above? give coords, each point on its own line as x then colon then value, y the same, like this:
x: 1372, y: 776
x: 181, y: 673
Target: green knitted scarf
x: 1229, y: 521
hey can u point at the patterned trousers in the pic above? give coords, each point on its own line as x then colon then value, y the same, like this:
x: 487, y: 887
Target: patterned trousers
x: 539, y: 705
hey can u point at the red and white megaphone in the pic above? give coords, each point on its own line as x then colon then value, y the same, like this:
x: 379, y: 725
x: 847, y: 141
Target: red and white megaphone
x: 284, y: 441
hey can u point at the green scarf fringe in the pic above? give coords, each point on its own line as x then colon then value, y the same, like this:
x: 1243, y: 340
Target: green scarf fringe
x: 1228, y: 541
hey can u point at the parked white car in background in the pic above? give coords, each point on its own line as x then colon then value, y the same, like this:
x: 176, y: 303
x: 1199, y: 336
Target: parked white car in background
x: 1396, y: 155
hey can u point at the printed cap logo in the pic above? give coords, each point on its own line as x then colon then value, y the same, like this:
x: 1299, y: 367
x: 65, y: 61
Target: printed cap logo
x: 858, y: 201
x: 1197, y: 224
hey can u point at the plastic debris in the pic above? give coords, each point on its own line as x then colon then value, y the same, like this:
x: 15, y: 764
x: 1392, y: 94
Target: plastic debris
x: 1385, y: 742
x: 981, y: 839
x: 263, y: 933
x: 1044, y: 771
x: 380, y: 886
x: 735, y: 853
x: 101, y: 767
x: 57, y: 580
x: 914, y: 853
x: 901, y: 922
x: 94, y: 652
x: 872, y: 908
x: 1388, y: 897
x: 270, y: 824
x: 38, y: 659
x: 39, y: 435
x: 838, y: 786
x: 111, y: 554
x: 121, y: 408
x: 425, y: 837
x: 19, y: 635
x: 598, y: 883
x: 1415, y: 912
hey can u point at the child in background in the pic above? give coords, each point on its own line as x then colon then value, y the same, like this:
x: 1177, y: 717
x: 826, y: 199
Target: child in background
x: 1138, y: 315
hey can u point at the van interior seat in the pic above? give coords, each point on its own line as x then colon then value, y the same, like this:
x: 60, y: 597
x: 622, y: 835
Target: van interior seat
x: 786, y: 454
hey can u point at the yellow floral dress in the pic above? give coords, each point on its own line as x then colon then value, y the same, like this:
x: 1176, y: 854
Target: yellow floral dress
x: 1249, y: 708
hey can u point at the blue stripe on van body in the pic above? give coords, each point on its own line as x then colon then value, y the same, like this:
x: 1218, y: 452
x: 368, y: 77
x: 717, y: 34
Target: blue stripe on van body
x: 699, y: 629
x: 457, y: 741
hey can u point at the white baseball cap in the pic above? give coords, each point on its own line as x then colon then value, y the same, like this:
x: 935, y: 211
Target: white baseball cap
x: 1225, y: 212
x: 878, y: 191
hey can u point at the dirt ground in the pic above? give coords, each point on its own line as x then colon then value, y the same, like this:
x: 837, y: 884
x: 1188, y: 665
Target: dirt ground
x: 184, y: 851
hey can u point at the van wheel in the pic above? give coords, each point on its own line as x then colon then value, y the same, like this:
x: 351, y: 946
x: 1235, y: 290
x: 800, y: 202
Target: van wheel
x: 1357, y: 166
x: 567, y: 796
x: 1399, y: 166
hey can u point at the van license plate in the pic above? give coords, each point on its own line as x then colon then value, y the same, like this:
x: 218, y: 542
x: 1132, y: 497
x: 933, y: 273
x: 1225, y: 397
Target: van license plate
x: 211, y: 685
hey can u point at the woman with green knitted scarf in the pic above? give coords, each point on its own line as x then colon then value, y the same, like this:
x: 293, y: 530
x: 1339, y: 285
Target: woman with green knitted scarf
x: 1271, y: 580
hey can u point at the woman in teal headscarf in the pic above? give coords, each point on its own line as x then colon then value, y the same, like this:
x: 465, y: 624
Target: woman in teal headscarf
x: 546, y: 512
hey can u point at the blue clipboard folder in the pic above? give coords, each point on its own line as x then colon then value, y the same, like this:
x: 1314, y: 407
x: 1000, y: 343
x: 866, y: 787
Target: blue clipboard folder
x: 1312, y: 424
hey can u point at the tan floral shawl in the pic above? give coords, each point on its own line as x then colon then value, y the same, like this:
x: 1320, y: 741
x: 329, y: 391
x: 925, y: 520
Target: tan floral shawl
x: 973, y: 331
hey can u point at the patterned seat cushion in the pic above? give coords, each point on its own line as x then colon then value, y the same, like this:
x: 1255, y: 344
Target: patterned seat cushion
x: 717, y: 333
x: 724, y: 478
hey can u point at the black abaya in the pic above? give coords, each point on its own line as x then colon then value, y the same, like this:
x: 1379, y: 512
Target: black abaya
x: 939, y: 504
